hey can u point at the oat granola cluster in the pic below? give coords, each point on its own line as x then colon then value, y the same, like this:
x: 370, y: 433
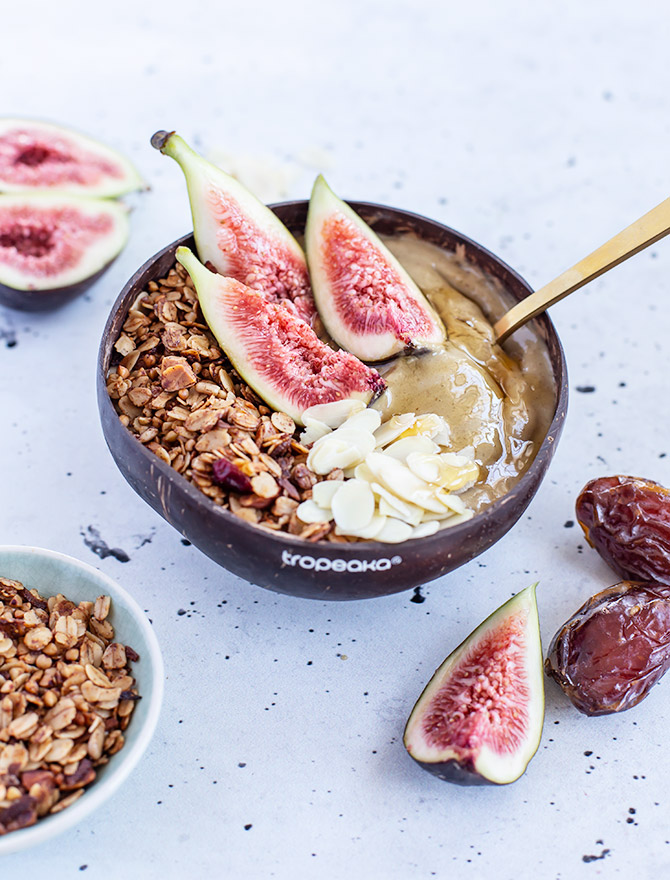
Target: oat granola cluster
x: 66, y: 695
x: 177, y: 392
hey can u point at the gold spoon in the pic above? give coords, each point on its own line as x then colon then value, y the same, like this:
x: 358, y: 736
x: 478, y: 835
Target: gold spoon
x: 631, y: 240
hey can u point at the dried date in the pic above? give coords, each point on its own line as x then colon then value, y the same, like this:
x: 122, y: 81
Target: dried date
x: 627, y: 520
x: 614, y: 649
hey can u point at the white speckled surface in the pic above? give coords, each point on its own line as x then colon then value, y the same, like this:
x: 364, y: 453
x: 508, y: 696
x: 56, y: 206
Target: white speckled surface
x: 537, y: 130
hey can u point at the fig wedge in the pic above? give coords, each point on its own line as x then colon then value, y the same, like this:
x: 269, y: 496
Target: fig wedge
x: 479, y: 719
x: 37, y: 155
x: 368, y: 303
x: 273, y: 350
x: 54, y: 246
x: 237, y: 233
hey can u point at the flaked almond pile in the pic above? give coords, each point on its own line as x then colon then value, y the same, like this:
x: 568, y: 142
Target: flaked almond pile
x: 66, y: 695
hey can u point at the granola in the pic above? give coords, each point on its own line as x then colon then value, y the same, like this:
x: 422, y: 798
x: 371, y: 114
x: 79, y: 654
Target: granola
x: 66, y: 695
x: 179, y: 395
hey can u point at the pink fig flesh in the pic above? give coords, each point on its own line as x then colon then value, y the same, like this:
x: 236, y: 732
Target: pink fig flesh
x: 260, y: 261
x: 52, y: 241
x: 367, y: 291
x: 479, y: 719
x: 273, y: 349
x: 41, y: 156
x: 237, y: 233
x: 367, y: 301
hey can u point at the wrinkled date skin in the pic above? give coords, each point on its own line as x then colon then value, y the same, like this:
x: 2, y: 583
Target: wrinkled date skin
x: 614, y: 649
x: 627, y: 520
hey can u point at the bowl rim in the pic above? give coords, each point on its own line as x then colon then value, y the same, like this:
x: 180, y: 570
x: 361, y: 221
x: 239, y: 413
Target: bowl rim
x: 102, y: 789
x: 286, y: 541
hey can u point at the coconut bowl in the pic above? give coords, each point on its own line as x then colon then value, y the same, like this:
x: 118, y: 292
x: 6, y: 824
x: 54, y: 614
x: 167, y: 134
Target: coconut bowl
x: 323, y: 570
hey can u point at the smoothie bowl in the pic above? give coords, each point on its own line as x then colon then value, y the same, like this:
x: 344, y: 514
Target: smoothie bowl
x: 239, y: 478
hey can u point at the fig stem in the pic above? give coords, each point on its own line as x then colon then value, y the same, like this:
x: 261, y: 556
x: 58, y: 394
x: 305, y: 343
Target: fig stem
x: 160, y: 139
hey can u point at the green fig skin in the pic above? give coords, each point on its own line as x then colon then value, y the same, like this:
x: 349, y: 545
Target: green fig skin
x: 468, y: 753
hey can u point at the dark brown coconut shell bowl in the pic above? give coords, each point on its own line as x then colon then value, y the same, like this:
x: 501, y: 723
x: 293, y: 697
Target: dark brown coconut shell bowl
x: 289, y: 564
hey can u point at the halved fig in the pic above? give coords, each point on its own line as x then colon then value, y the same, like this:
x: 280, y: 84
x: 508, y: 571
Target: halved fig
x: 54, y: 246
x: 41, y: 156
x: 368, y: 303
x: 479, y: 720
x: 237, y: 233
x: 274, y: 351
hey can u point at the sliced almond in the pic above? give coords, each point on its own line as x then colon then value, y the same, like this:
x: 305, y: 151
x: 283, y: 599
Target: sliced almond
x: 353, y: 505
x: 322, y: 493
x: 425, y: 529
x: 396, y: 476
x: 398, y: 509
x: 365, y: 420
x: 393, y: 428
x: 310, y: 512
x: 314, y: 430
x: 417, y: 444
x: 370, y: 531
x: 394, y: 531
x: 335, y: 413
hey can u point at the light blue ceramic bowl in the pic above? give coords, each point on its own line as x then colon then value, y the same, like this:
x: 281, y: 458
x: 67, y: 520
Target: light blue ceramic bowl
x: 52, y: 573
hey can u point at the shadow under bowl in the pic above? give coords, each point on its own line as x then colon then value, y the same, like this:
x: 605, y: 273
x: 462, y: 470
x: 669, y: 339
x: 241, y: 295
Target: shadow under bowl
x: 50, y: 573
x: 323, y: 570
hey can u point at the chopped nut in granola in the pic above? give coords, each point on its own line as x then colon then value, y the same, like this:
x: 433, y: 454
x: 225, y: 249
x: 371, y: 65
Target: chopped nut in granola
x: 66, y: 696
x: 181, y: 397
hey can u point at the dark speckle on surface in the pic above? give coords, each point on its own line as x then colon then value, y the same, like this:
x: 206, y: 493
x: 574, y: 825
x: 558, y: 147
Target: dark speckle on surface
x: 181, y: 612
x: 417, y: 597
x: 95, y: 543
x: 568, y: 524
x: 586, y: 389
x: 8, y: 334
x: 593, y: 858
x: 186, y: 542
x: 144, y: 539
x: 247, y: 827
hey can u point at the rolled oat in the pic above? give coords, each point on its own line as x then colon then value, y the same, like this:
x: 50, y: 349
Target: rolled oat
x: 66, y: 696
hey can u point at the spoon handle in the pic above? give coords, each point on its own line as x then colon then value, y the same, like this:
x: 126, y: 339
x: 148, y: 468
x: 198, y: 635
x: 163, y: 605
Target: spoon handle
x: 634, y: 238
